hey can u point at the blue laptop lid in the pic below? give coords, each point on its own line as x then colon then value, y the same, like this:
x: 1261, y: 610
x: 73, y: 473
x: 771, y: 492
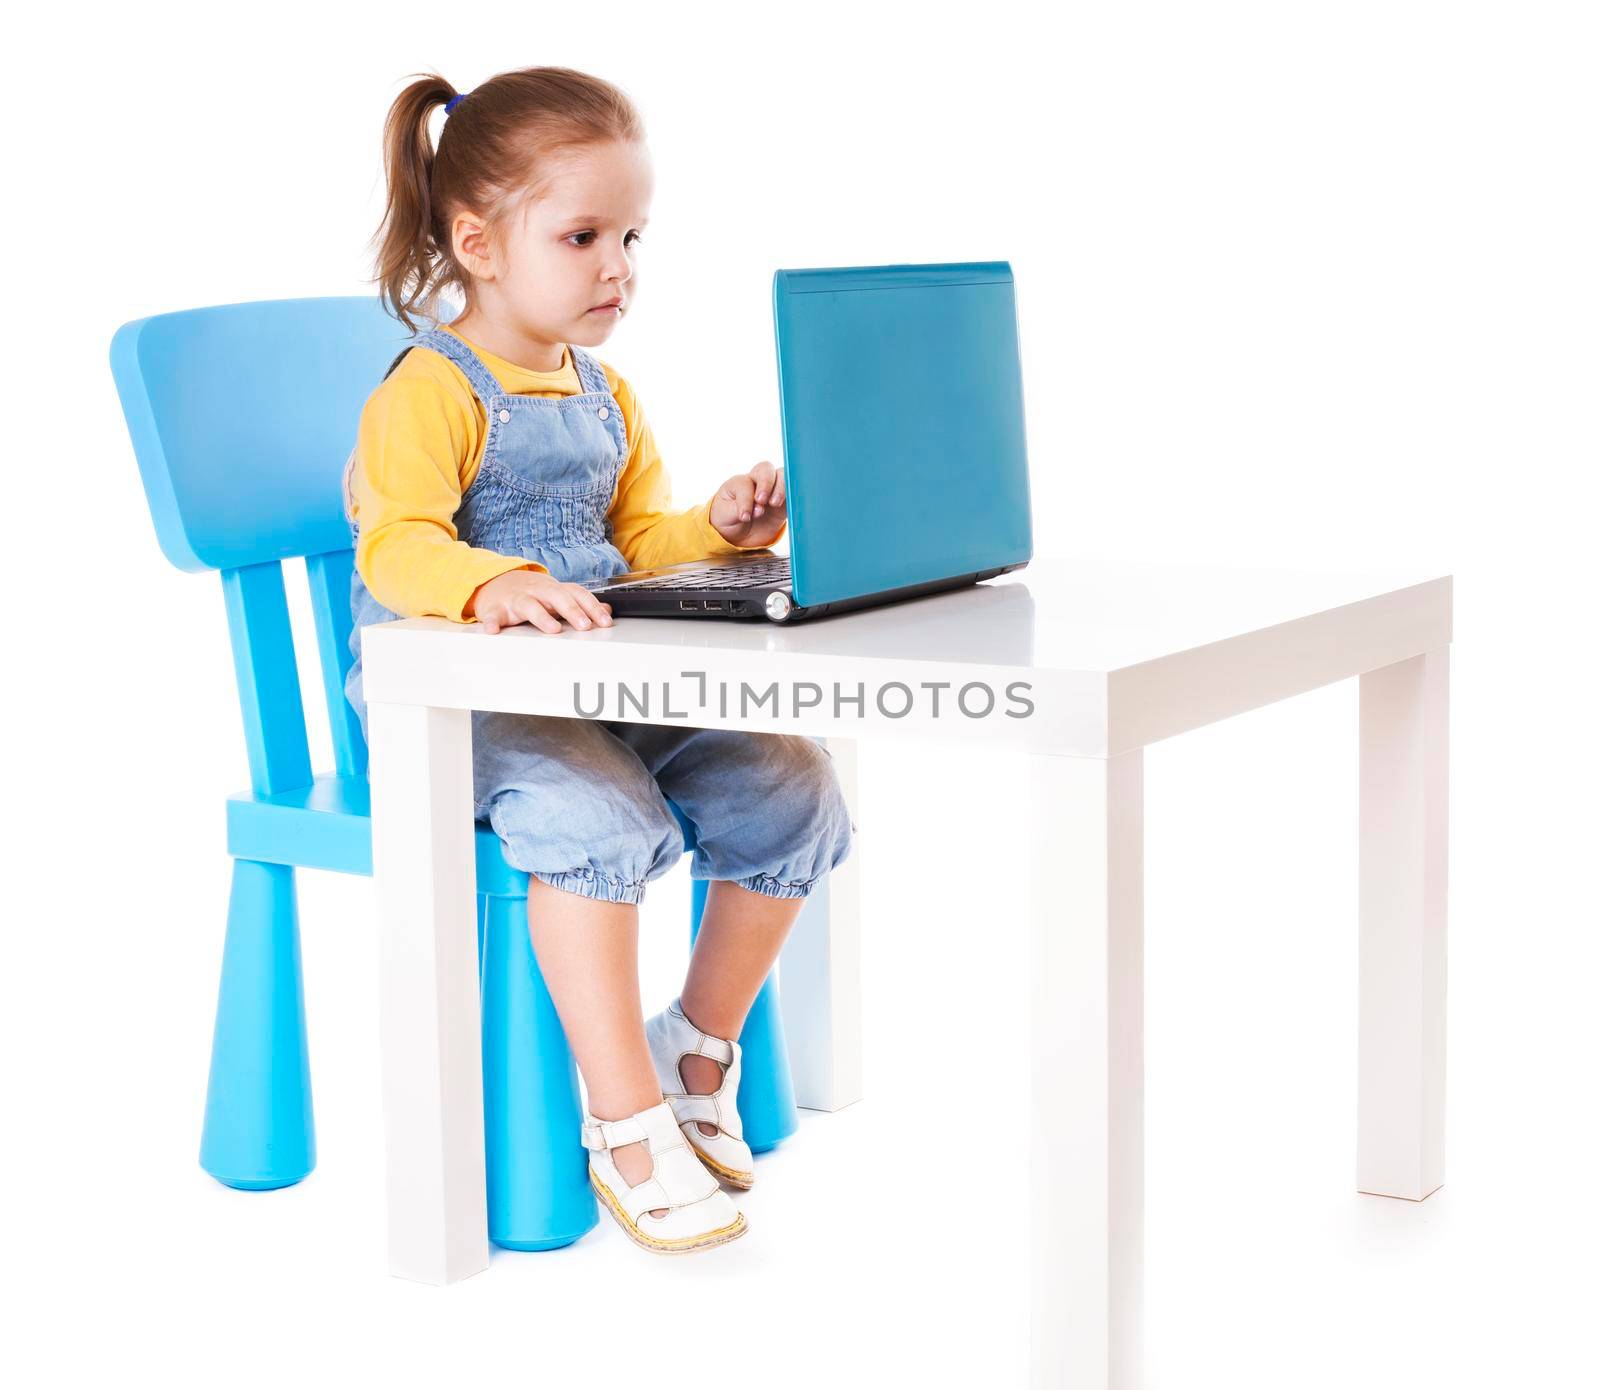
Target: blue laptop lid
x: 904, y: 449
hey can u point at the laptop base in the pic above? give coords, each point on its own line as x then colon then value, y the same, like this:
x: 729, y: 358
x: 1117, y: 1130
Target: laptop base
x: 773, y: 603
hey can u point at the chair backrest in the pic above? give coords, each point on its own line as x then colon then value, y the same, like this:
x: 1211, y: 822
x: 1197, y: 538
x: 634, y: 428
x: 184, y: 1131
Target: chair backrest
x: 242, y: 417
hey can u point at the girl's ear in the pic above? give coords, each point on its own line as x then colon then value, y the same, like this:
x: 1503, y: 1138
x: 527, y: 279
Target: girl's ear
x: 471, y: 244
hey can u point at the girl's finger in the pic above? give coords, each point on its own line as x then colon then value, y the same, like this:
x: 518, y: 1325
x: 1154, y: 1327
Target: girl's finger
x: 599, y: 612
x: 740, y: 491
x: 778, y: 494
x: 572, y: 609
x: 766, y: 477
x: 530, y: 610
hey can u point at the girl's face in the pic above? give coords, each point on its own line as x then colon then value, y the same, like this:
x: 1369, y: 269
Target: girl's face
x: 563, y: 270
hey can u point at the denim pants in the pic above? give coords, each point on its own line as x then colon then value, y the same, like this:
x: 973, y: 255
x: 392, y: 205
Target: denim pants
x: 580, y: 803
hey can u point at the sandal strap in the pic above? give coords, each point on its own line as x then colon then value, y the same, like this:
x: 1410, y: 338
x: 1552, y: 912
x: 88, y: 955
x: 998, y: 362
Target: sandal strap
x: 715, y: 1109
x: 718, y: 1049
x: 611, y: 1134
x: 687, y: 1107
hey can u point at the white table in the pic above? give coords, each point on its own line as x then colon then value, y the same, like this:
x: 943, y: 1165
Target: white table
x: 1114, y: 657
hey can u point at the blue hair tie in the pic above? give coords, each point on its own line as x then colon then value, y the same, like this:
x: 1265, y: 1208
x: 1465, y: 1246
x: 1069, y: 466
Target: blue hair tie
x: 450, y: 105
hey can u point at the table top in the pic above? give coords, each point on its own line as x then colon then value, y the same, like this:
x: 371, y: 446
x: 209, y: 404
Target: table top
x: 1115, y: 653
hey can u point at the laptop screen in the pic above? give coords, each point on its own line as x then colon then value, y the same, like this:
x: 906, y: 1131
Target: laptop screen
x: 905, y: 455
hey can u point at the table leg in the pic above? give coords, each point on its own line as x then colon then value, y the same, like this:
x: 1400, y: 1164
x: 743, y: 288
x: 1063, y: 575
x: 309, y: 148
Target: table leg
x: 1086, y: 1195
x: 819, y: 970
x: 422, y: 861
x: 1405, y: 757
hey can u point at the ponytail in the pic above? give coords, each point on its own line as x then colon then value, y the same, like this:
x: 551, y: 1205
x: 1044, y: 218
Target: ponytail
x: 411, y: 246
x: 491, y: 158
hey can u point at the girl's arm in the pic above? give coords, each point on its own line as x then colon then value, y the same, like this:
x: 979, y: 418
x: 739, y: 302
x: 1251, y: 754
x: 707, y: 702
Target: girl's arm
x: 406, y: 485
x: 643, y: 526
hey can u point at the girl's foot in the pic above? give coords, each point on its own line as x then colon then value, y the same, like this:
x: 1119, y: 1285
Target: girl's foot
x: 699, y: 1076
x: 679, y: 1207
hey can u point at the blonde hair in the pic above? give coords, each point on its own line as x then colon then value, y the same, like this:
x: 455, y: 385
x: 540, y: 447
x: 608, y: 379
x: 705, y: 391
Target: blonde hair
x: 494, y: 154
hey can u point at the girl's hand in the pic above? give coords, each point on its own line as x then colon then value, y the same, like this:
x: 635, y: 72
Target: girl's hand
x: 531, y: 596
x: 750, y: 508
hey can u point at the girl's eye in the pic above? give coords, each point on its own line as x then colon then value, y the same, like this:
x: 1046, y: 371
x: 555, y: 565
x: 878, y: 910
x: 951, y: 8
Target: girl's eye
x: 576, y: 235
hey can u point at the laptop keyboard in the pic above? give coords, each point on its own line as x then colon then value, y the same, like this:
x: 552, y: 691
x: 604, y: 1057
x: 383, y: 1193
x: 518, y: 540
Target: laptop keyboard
x: 758, y: 574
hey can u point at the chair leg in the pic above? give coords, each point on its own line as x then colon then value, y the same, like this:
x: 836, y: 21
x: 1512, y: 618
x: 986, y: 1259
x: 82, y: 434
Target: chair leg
x: 766, y: 1089
x: 258, y: 1126
x: 535, y: 1164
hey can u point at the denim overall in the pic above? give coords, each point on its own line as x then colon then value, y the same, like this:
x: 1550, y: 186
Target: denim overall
x: 549, y: 470
x: 581, y: 803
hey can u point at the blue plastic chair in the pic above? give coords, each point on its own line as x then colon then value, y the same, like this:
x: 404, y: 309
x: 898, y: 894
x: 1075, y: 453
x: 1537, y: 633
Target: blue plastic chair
x: 242, y: 417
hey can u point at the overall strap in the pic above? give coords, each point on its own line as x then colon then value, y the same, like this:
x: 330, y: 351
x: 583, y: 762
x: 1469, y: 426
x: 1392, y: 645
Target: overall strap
x: 482, y: 379
x: 591, y: 374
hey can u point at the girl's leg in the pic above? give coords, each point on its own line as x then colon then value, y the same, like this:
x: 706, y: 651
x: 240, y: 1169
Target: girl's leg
x: 588, y: 953
x: 740, y: 936
x: 770, y: 819
x: 572, y: 802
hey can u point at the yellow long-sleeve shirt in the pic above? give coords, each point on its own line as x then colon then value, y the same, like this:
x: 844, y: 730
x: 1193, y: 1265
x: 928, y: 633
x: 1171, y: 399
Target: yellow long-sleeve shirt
x: 419, y: 447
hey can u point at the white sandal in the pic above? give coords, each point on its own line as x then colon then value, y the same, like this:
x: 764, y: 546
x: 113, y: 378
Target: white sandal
x: 672, y: 1037
x: 699, y: 1213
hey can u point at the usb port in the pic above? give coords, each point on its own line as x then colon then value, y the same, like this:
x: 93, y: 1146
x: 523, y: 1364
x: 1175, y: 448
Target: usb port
x: 688, y: 603
x: 713, y: 603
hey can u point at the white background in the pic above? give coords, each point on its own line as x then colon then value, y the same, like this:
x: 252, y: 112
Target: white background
x: 1299, y: 284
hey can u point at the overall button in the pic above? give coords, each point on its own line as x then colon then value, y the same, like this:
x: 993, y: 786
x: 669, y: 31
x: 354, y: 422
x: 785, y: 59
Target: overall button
x: 604, y: 412
x: 505, y: 416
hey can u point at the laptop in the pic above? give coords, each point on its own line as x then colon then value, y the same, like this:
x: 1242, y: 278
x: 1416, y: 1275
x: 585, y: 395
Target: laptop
x: 905, y: 462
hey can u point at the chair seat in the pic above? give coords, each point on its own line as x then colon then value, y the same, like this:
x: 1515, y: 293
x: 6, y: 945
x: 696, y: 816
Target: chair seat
x: 328, y: 825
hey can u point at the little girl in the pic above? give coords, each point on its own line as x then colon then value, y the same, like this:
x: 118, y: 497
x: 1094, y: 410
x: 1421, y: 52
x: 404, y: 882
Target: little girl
x: 498, y: 466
